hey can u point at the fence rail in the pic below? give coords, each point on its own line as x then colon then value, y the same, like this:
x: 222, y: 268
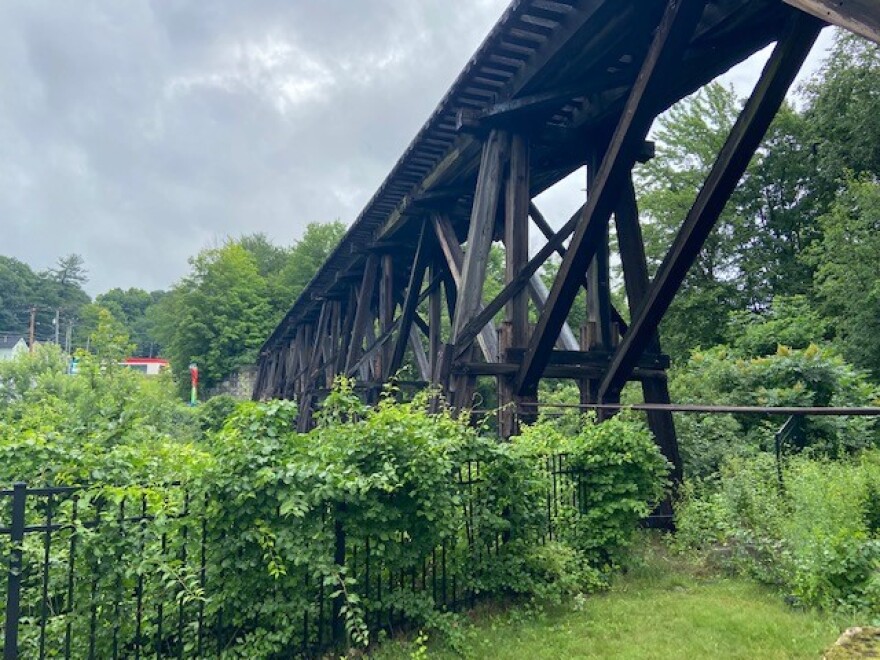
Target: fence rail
x: 80, y: 581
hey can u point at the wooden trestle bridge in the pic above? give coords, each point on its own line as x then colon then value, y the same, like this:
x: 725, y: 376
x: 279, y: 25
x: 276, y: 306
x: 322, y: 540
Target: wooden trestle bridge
x: 555, y: 86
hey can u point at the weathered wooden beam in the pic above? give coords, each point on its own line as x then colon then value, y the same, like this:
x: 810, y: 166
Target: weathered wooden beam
x: 486, y: 334
x: 480, y: 230
x: 346, y: 330
x: 595, y: 357
x: 859, y: 16
x: 516, y: 285
x: 387, y: 304
x: 744, y: 139
x: 418, y: 349
x: 545, y: 228
x: 410, y: 302
x: 362, y: 312
x: 516, y: 235
x: 374, y: 343
x: 560, y: 371
x: 435, y: 322
x: 599, y: 276
x: 670, y: 40
x: 539, y: 293
x: 636, y: 282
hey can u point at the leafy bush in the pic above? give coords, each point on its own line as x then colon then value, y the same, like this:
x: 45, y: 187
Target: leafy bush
x: 621, y: 476
x: 816, y: 535
x: 352, y: 516
x: 807, y: 377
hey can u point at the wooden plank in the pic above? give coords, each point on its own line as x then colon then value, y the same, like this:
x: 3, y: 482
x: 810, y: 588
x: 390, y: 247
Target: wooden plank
x: 594, y: 356
x: 545, y: 228
x: 636, y: 282
x: 599, y: 276
x: 539, y: 293
x: 672, y: 36
x: 514, y: 286
x: 416, y: 277
x: 418, y: 349
x: 859, y: 16
x: 747, y: 133
x: 562, y: 371
x: 346, y: 332
x: 362, y: 312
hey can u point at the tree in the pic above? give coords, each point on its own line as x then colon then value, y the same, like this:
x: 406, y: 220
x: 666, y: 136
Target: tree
x: 69, y: 271
x: 130, y: 308
x: 217, y: 317
x: 847, y: 272
x: 18, y: 284
x: 688, y: 139
x: 302, y: 262
x: 843, y: 114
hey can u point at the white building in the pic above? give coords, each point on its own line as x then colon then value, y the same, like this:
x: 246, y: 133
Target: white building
x: 12, y: 345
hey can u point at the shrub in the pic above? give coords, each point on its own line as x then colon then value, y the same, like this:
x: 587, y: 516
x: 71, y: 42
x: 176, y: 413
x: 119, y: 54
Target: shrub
x: 621, y: 476
x: 815, y: 536
x: 807, y: 377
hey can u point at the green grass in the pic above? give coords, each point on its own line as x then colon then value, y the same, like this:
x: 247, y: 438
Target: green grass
x: 664, y: 609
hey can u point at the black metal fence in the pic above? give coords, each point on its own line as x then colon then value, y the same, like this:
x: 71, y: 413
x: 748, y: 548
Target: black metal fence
x: 83, y: 577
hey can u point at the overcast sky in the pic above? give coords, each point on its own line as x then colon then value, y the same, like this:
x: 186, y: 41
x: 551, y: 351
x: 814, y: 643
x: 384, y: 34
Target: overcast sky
x: 137, y: 132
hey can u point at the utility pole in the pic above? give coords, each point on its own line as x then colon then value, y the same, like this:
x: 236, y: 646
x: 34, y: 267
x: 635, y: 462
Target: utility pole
x: 33, y: 328
x: 57, y: 325
x: 69, y: 336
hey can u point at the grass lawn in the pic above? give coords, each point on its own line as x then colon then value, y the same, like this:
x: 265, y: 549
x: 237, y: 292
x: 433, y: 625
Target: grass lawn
x: 664, y: 609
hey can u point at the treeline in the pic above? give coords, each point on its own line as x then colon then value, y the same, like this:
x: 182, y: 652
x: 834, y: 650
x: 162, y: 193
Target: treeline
x: 217, y: 316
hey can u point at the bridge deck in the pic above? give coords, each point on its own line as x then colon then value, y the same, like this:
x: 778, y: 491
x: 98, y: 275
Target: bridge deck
x: 562, y: 67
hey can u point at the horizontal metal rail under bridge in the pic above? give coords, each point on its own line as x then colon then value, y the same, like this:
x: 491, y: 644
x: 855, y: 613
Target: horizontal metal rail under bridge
x: 557, y: 85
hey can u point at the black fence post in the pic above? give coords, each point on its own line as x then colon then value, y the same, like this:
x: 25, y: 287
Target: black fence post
x: 13, y: 582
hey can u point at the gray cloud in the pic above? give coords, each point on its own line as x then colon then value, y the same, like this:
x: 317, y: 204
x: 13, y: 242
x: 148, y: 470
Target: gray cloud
x: 138, y: 132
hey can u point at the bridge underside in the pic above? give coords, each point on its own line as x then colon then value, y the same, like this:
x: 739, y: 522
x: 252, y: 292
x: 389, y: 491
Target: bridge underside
x: 556, y: 86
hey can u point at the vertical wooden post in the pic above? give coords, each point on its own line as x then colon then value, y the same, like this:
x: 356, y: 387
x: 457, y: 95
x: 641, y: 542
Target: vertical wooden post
x: 597, y: 334
x: 480, y: 230
x: 363, y: 313
x: 635, y: 276
x: 435, y: 322
x: 479, y: 243
x: 515, y: 330
x: 386, y: 310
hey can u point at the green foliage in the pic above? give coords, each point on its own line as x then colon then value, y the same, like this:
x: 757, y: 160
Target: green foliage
x: 621, y: 476
x: 816, y: 537
x: 284, y: 514
x: 217, y: 317
x: 847, y: 277
x: 808, y: 377
x: 843, y: 115
x: 220, y: 314
x: 106, y: 423
x: 793, y: 322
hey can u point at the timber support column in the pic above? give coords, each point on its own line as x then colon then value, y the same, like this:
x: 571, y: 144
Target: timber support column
x: 515, y: 330
x: 479, y: 242
x: 654, y: 390
x: 596, y: 335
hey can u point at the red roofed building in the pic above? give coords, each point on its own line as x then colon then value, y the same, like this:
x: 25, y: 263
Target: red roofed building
x: 147, y: 366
